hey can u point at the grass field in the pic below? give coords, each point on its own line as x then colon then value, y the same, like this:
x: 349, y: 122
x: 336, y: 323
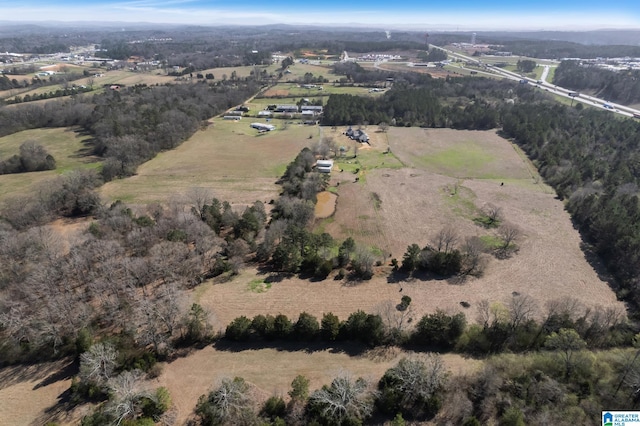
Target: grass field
x: 433, y: 178
x: 234, y: 161
x: 65, y: 145
x: 298, y: 71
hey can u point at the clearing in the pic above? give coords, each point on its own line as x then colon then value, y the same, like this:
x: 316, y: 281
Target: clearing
x: 235, y: 161
x: 64, y: 144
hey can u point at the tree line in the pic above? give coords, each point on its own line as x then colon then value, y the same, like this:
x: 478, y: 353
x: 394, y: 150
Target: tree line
x: 558, y: 49
x: 617, y: 86
x: 555, y: 374
x: 426, y: 103
x: 510, y: 327
x: 592, y: 161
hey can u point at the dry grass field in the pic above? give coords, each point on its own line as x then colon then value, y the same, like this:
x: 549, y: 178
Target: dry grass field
x: 29, y: 394
x: 236, y: 162
x: 390, y: 208
x: 272, y: 370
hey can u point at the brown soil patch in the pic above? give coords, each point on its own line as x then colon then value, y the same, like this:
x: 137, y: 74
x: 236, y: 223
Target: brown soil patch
x: 325, y: 204
x: 273, y: 92
x: 272, y: 371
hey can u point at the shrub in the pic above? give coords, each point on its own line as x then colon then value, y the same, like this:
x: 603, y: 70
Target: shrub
x: 307, y: 327
x: 330, y: 327
x: 274, y: 407
x: 239, y: 329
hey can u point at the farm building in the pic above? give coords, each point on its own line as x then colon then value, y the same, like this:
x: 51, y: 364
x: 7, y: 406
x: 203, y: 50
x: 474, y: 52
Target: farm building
x: 286, y: 108
x: 264, y: 113
x: 235, y: 112
x: 232, y: 117
x: 312, y: 110
x: 263, y: 127
x: 324, y: 166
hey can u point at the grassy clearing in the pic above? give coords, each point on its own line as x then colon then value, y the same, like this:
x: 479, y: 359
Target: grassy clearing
x: 66, y: 146
x: 461, y: 200
x: 458, y: 154
x: 230, y: 158
x: 258, y: 286
x: 491, y: 242
x: 298, y: 70
x: 466, y: 158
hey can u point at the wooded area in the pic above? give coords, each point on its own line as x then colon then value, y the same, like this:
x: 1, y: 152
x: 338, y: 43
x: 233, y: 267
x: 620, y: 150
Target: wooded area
x: 617, y: 86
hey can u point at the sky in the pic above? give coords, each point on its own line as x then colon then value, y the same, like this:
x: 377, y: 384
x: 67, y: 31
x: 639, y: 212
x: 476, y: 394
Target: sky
x: 406, y: 14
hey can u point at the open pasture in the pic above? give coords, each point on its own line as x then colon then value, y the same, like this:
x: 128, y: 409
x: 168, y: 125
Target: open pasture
x: 66, y: 146
x: 234, y: 161
x: 391, y: 207
x: 118, y: 77
x: 223, y: 73
x: 298, y: 70
x: 28, y: 394
x: 458, y: 153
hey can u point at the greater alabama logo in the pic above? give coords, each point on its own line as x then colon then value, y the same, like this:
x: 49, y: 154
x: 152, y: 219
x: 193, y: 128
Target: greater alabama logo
x: 607, y: 419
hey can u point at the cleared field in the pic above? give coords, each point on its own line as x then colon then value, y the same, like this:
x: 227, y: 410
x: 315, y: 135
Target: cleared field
x: 236, y: 162
x: 431, y: 179
x: 127, y: 78
x: 272, y: 371
x: 458, y: 153
x: 66, y: 146
x: 298, y: 71
x: 392, y: 207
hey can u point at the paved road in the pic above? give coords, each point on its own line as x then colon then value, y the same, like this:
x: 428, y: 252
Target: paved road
x: 544, y: 85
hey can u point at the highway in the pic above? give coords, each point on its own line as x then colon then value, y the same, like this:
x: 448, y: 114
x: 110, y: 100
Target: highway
x: 542, y: 84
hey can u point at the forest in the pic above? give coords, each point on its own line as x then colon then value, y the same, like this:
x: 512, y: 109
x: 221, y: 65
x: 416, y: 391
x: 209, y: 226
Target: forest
x: 617, y: 86
x: 557, y: 49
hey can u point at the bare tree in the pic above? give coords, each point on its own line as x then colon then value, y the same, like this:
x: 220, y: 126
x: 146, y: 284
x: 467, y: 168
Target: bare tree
x: 415, y: 380
x: 484, y: 313
x: 362, y: 262
x: 473, y: 259
x: 98, y: 363
x: 396, y: 321
x: 126, y: 395
x: 521, y: 309
x: 198, y: 197
x: 445, y: 239
x: 345, y: 398
x: 383, y: 127
x: 230, y: 403
x: 509, y: 234
x: 158, y: 317
x: 493, y: 214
